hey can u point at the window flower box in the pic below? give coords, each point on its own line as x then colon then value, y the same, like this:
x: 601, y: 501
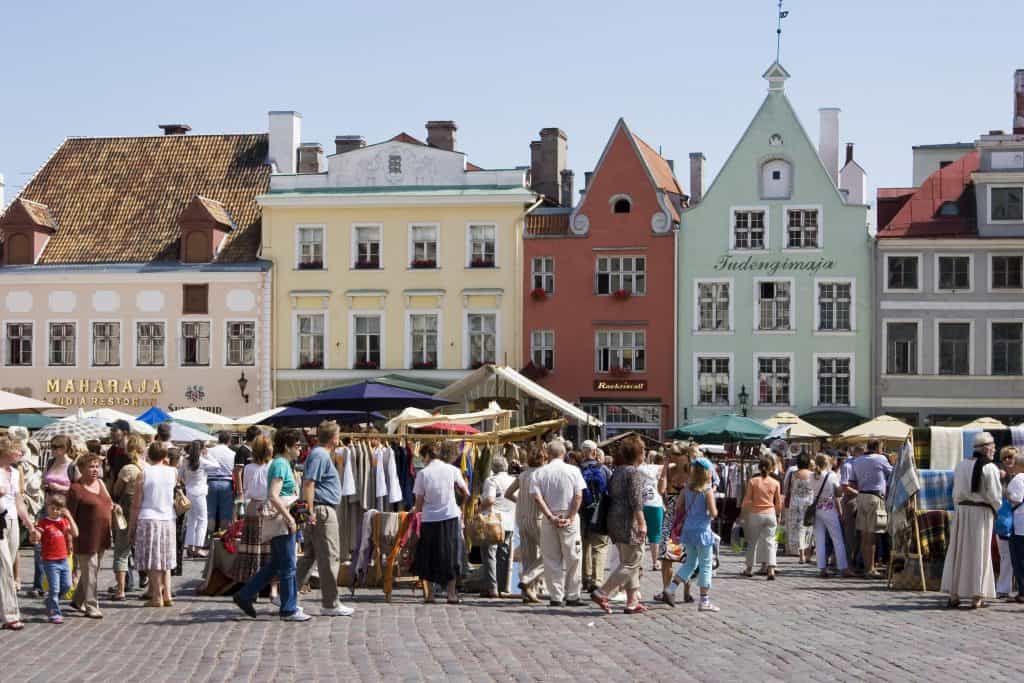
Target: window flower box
x: 622, y: 294
x: 619, y: 372
x: 481, y: 263
x: 423, y: 263
x: 367, y: 264
x: 311, y: 365
x: 367, y: 365
x: 311, y: 265
x: 424, y: 365
x: 538, y: 294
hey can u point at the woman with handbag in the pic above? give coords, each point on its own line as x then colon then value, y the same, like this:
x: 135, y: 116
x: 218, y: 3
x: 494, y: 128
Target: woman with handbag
x: 438, y: 553
x: 498, y: 555
x: 253, y: 553
x: 824, y: 514
x: 152, y: 525
x: 91, y: 507
x: 280, y: 527
x: 123, y: 494
x: 192, y: 472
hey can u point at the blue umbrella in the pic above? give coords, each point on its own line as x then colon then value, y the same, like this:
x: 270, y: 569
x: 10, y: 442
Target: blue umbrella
x: 154, y: 416
x: 367, y: 396
x: 296, y: 417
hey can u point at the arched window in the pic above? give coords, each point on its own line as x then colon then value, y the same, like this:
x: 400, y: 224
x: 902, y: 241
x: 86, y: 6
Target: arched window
x: 19, y: 249
x: 622, y: 206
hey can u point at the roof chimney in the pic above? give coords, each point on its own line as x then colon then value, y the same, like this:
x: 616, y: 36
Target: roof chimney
x: 347, y: 143
x: 285, y: 133
x: 828, y: 141
x: 547, y: 161
x: 310, y: 155
x: 1018, y: 102
x: 696, y: 177
x: 853, y: 181
x: 567, y: 182
x: 175, y: 128
x: 441, y: 134
x: 849, y: 153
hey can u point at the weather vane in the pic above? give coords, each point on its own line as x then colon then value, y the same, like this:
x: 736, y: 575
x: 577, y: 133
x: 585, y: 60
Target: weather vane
x: 778, y: 32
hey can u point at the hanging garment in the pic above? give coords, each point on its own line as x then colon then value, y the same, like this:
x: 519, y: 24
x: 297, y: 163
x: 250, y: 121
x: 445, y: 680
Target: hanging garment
x: 343, y: 461
x: 482, y: 470
x: 365, y: 479
x: 1017, y: 436
x: 394, y: 488
x: 406, y: 475
x: 947, y: 447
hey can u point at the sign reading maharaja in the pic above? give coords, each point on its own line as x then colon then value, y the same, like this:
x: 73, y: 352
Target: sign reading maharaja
x: 771, y: 266
x: 83, y: 392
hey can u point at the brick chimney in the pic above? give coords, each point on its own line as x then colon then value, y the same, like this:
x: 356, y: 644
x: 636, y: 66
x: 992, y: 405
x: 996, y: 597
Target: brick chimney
x: 347, y: 143
x: 441, y: 134
x: 310, y: 156
x: 175, y: 128
x: 1018, y: 102
x: 696, y: 177
x: 568, y: 178
x: 547, y: 161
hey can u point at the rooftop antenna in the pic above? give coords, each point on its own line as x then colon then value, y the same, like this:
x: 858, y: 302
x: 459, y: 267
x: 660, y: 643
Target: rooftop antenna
x: 778, y: 32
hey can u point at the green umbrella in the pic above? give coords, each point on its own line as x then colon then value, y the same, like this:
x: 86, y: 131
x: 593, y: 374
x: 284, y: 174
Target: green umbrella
x: 26, y: 420
x: 721, y: 429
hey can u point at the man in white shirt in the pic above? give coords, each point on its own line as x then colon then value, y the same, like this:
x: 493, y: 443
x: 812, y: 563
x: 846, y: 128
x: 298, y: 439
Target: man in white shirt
x: 558, y: 489
x: 220, y: 496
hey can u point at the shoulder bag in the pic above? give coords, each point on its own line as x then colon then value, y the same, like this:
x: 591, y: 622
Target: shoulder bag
x: 274, y: 524
x: 813, y: 507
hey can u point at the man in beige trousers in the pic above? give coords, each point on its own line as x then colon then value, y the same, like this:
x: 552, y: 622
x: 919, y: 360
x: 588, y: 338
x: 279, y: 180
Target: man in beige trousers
x: 558, y: 489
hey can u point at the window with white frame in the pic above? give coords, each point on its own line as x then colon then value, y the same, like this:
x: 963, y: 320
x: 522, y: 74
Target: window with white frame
x: 713, y: 380
x: 195, y: 343
x: 542, y: 274
x: 483, y: 338
x: 63, y: 339
x: 773, y: 380
x: 713, y: 302
x: 423, y: 328
x: 954, y: 348
x: 802, y: 230
x: 773, y: 305
x: 901, y: 348
x: 748, y: 230
x: 542, y: 348
x: 1007, y: 348
x: 1006, y: 272
x: 954, y: 272
x: 424, y: 246
x: 902, y: 272
x: 834, y: 300
x: 621, y: 350
x: 367, y: 246
x: 366, y: 341
x: 311, y: 248
x: 150, y: 343
x: 19, y: 344
x: 310, y: 341
x: 482, y: 246
x: 626, y: 274
x: 834, y: 380
x: 241, y: 342
x: 1007, y: 204
x: 106, y: 344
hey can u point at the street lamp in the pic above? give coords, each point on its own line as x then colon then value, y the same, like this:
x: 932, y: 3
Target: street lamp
x: 242, y: 384
x: 744, y: 398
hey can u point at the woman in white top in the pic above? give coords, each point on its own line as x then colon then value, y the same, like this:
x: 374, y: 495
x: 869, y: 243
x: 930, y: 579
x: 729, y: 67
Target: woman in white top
x: 825, y: 485
x: 654, y: 505
x: 192, y: 472
x: 152, y: 524
x: 498, y: 555
x: 251, y: 555
x: 438, y: 552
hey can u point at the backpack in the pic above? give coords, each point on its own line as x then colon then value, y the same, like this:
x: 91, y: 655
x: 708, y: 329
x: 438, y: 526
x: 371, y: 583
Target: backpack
x: 1004, y: 519
x: 597, y: 485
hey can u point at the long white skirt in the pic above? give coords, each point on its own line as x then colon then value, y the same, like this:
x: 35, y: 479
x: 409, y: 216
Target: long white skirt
x: 968, y: 571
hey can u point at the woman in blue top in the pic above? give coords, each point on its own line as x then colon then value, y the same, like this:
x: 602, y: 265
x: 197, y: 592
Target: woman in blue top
x: 281, y: 485
x: 696, y: 537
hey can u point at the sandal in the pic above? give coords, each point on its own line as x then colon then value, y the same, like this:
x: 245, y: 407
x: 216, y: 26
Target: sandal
x: 601, y: 601
x: 638, y: 608
x: 13, y: 626
x: 823, y: 574
x: 979, y: 604
x: 747, y: 573
x: 117, y: 598
x: 659, y: 597
x: 687, y: 598
x: 952, y: 604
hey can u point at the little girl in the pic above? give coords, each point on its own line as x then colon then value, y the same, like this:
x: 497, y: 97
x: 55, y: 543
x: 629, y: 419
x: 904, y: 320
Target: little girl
x: 696, y: 537
x: 55, y: 531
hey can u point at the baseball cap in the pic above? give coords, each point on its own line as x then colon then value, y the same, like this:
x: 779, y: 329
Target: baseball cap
x: 121, y: 425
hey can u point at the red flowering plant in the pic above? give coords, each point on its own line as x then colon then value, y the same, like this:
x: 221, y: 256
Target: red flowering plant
x: 311, y: 365
x: 424, y: 365
x: 423, y: 263
x: 311, y: 265
x: 482, y: 262
x: 618, y: 371
x: 539, y: 294
x: 622, y: 294
x: 367, y: 364
x: 367, y: 264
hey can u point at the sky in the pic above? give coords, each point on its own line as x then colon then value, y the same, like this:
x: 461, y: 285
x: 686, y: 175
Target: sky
x: 685, y: 75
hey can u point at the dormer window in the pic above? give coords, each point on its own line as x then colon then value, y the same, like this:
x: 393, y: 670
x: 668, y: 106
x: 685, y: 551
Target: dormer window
x: 622, y: 205
x: 949, y: 209
x: 26, y: 227
x: 776, y: 179
x: 205, y: 224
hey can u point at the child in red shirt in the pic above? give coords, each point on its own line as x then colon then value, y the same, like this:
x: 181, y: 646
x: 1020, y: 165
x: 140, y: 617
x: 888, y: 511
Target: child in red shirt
x: 56, y: 530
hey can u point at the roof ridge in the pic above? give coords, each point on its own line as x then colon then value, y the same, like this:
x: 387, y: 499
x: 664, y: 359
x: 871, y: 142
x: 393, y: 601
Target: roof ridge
x: 160, y: 136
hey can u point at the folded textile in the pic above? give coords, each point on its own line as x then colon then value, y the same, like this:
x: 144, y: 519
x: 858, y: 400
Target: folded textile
x: 968, y: 450
x: 947, y: 447
x: 936, y: 492
x: 905, y: 482
x: 933, y: 527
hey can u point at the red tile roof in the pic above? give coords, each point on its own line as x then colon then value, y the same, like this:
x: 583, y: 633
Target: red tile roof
x: 664, y: 178
x: 473, y: 167
x: 22, y: 211
x: 919, y: 214
x: 405, y: 137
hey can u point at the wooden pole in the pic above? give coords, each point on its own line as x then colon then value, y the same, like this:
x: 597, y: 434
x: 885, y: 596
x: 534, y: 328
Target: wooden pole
x: 917, y: 536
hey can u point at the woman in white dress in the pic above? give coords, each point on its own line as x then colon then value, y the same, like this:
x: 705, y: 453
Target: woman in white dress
x: 799, y: 496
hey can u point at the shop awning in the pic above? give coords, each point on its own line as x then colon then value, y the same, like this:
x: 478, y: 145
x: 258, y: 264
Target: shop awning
x: 415, y: 418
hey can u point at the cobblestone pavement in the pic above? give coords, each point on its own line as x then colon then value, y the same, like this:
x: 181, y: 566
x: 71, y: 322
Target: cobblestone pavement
x: 798, y: 628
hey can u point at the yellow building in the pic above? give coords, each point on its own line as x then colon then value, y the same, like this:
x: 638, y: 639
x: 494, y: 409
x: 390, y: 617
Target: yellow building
x: 399, y: 257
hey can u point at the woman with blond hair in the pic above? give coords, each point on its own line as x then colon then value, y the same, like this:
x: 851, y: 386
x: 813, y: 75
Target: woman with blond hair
x: 697, y: 537
x: 123, y: 493
x: 91, y: 507
x: 152, y: 524
x: 825, y: 483
x: 762, y: 505
x: 528, y: 518
x: 252, y: 554
x: 671, y: 484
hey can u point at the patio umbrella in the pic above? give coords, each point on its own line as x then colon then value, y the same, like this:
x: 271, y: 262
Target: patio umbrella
x: 202, y: 417
x: 26, y: 420
x: 721, y: 429
x: 107, y: 415
x: 154, y: 416
x: 16, y: 403
x: 883, y: 427
x: 450, y: 427
x: 297, y: 417
x: 258, y: 418
x: 367, y: 396
x: 984, y: 423
x: 75, y: 427
x: 184, y: 434
x: 798, y: 429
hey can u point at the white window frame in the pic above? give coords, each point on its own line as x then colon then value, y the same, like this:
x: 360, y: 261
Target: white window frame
x: 534, y: 348
x: 78, y: 355
x: 1002, y: 186
x: 853, y: 380
x: 32, y: 350
x: 988, y: 354
x: 885, y: 272
x: 469, y: 244
x: 92, y: 340
x: 135, y: 341
x: 378, y: 313
x: 992, y: 273
x: 696, y: 305
x: 179, y: 342
x: 786, y: 208
x: 323, y: 243
x: 632, y: 274
x: 412, y: 244
x: 255, y: 342
x: 852, y: 281
x: 296, y: 314
x: 697, y: 356
x: 919, y: 342
x: 756, y: 305
x: 757, y: 388
x: 465, y: 332
x: 970, y: 349
x: 354, y: 254
x: 545, y: 275
x: 970, y: 272
x: 597, y: 348
x: 732, y: 229
x: 407, y: 350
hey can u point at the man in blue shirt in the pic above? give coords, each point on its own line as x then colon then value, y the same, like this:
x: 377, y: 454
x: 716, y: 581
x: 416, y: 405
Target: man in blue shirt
x: 868, y: 476
x: 321, y: 490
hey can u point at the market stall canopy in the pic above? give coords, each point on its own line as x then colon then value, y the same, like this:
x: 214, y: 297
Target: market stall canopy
x: 296, y: 417
x: 75, y: 427
x: 648, y: 441
x: 202, y: 417
x: 16, y: 403
x: 26, y: 420
x: 721, y: 429
x: 459, y: 390
x: 798, y: 428
x: 155, y: 416
x: 259, y: 418
x: 883, y: 427
x: 985, y: 423
x: 107, y: 415
x: 368, y: 395
x: 181, y: 433
x: 449, y: 428
x: 415, y: 418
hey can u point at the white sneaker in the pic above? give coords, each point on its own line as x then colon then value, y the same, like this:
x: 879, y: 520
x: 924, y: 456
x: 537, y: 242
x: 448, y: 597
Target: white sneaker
x: 337, y: 611
x: 298, y: 616
x: 707, y: 607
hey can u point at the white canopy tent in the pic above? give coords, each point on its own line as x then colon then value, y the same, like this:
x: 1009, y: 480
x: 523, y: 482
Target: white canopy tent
x: 413, y: 418
x: 203, y: 417
x: 258, y: 418
x: 16, y: 403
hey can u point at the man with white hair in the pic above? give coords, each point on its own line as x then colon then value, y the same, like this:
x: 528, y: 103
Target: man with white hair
x: 595, y: 544
x: 558, y: 489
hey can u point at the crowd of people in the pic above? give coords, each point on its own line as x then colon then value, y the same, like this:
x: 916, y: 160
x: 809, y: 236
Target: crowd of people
x: 155, y: 504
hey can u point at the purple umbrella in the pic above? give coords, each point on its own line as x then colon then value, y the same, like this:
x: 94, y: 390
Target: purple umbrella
x: 367, y: 396
x: 297, y: 417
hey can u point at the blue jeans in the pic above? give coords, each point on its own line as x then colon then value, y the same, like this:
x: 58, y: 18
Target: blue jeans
x: 698, y: 557
x: 58, y: 575
x: 281, y: 565
x: 37, y: 574
x: 220, y: 502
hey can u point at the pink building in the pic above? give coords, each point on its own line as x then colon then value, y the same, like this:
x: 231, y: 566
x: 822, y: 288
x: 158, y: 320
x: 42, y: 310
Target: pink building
x: 130, y: 277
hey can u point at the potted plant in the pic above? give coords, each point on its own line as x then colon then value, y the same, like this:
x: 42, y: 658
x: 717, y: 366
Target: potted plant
x: 424, y: 263
x: 622, y: 294
x: 617, y: 371
x: 367, y: 364
x: 539, y: 294
x: 482, y: 262
x: 367, y: 264
x: 311, y: 265
x: 311, y: 365
x: 424, y: 365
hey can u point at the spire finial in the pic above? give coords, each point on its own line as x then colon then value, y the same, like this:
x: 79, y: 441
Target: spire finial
x: 778, y: 32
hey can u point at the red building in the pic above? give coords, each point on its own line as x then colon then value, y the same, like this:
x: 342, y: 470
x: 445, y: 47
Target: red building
x: 598, y: 320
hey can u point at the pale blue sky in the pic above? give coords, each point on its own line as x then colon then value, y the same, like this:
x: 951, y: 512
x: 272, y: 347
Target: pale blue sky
x: 684, y: 74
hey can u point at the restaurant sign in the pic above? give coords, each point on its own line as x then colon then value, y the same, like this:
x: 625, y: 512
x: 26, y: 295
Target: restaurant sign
x: 103, y: 393
x: 620, y: 385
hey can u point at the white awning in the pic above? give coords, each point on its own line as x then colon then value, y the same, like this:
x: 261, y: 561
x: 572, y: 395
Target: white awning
x: 415, y: 418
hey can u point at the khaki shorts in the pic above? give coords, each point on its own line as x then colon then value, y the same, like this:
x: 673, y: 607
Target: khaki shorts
x: 871, y: 515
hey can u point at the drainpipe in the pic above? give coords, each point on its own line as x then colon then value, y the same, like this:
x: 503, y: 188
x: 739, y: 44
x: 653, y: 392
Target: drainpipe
x: 675, y: 321
x: 521, y: 265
